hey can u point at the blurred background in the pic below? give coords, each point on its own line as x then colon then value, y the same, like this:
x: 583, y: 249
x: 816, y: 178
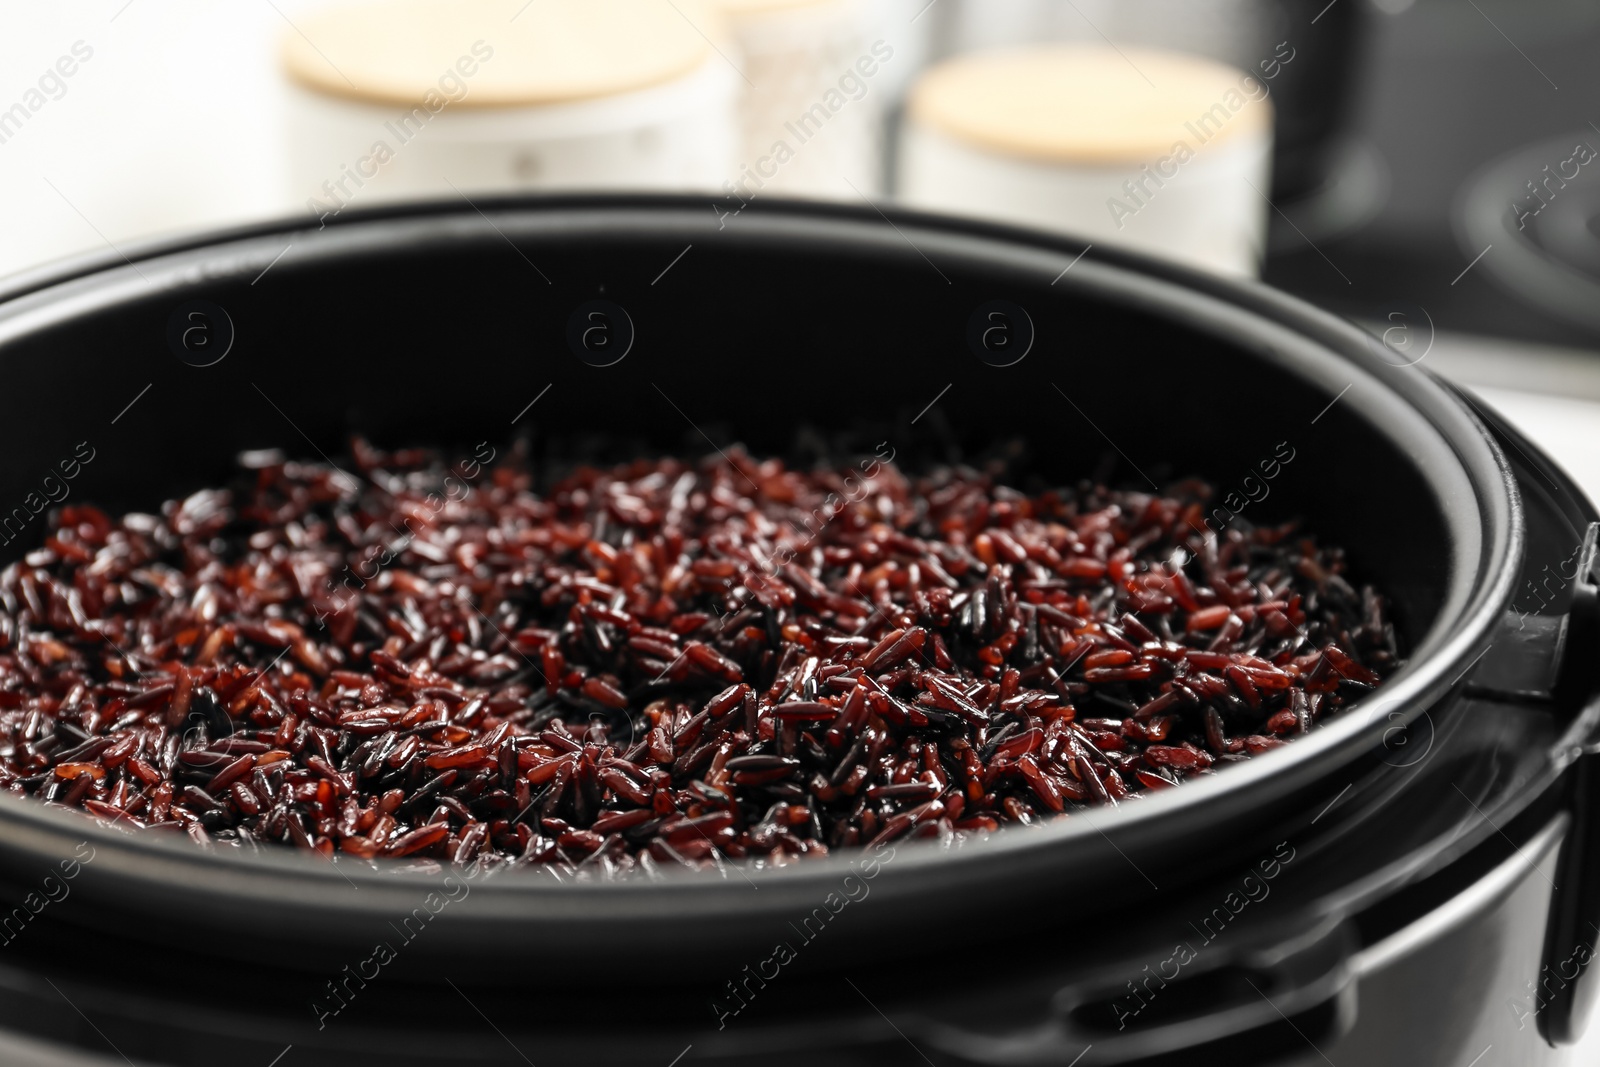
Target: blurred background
x: 1426, y: 167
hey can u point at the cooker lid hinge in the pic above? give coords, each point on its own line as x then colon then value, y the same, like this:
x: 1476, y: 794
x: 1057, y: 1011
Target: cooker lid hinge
x: 1548, y: 658
x: 1524, y: 661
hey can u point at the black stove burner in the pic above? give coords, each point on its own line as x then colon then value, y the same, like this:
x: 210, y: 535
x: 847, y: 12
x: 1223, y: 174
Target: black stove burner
x: 1540, y: 209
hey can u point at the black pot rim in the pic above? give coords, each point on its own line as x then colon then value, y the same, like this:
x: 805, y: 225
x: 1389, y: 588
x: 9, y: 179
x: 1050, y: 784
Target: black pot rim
x: 283, y: 877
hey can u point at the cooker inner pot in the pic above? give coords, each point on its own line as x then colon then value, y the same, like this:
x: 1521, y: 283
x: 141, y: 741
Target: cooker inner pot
x: 797, y: 332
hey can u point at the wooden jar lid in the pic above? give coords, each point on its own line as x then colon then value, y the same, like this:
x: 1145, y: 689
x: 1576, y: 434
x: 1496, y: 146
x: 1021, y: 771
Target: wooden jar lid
x: 553, y: 51
x: 1087, y: 103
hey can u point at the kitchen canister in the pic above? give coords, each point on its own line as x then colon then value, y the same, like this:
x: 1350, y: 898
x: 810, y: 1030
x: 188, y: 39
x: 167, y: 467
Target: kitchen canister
x: 818, y: 76
x: 1156, y: 151
x: 912, y: 28
x: 1308, y: 52
x: 425, y: 98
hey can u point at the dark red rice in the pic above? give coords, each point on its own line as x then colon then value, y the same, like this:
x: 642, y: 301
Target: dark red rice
x: 658, y: 664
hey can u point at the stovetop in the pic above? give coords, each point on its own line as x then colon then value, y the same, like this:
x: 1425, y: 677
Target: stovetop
x: 1443, y: 88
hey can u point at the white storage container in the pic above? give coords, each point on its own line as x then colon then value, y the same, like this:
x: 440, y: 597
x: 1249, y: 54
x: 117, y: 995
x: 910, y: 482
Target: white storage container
x: 1156, y: 151
x: 819, y: 76
x: 423, y: 98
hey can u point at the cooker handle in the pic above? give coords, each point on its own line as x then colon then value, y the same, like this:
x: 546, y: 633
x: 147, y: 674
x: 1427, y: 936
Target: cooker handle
x: 1573, y: 937
x: 1306, y: 979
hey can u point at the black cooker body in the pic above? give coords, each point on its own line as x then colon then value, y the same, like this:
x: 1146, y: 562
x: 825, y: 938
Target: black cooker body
x: 595, y: 327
